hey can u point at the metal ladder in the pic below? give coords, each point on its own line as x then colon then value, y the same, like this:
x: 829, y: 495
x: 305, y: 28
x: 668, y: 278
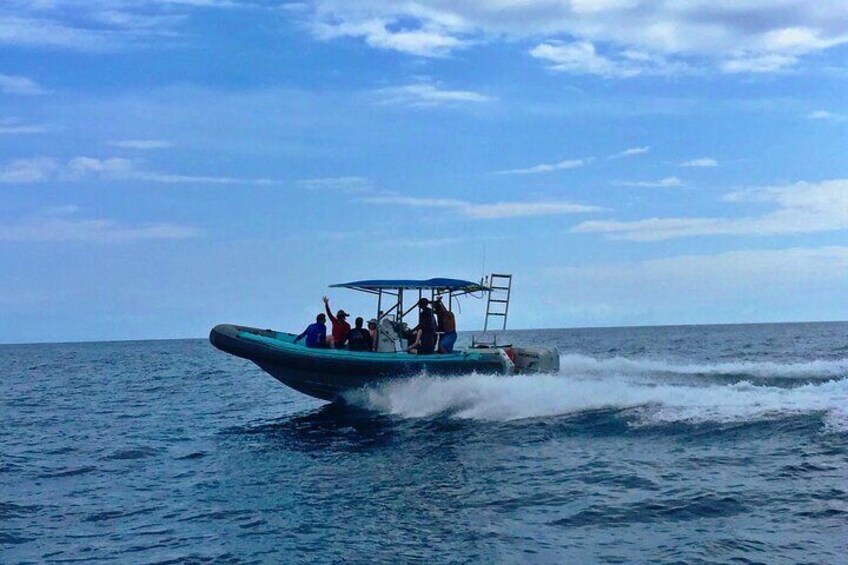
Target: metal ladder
x: 498, y: 303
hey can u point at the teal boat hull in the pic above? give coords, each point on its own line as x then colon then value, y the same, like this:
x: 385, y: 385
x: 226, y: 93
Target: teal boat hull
x: 330, y: 373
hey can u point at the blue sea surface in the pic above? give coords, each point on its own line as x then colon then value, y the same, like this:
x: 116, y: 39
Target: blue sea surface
x: 694, y: 444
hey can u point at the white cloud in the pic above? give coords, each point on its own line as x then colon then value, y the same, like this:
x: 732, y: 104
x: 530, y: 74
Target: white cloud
x: 420, y: 243
x: 745, y: 285
x: 424, y: 95
x: 115, y: 167
x: 488, y: 211
x: 415, y: 202
x: 294, y: 7
x: 733, y: 268
x: 768, y: 63
x: 99, y: 26
x: 582, y: 57
x: 523, y: 209
x: 800, y: 208
x: 347, y: 185
x: 42, y: 169
x: 62, y: 224
x: 631, y: 151
x: 19, y: 85
x: 25, y: 171
x: 704, y: 162
x: 205, y: 3
x: 11, y: 126
x: 667, y: 182
x: 800, y: 40
x: 547, y: 167
x: 44, y: 31
x: 167, y: 178
x: 22, y: 129
x: 610, y: 38
x: 429, y: 40
x: 142, y: 144
x: 828, y: 116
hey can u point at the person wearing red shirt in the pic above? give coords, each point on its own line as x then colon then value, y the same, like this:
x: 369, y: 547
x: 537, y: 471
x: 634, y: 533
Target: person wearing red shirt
x: 340, y: 326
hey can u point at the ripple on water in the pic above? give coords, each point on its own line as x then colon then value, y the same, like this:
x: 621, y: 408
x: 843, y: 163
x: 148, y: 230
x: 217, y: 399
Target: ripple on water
x: 8, y: 467
x: 131, y: 453
x: 624, y: 480
x: 8, y: 538
x: 828, y: 511
x: 107, y: 515
x: 191, y: 456
x: 10, y: 510
x: 673, y: 510
x: 802, y: 470
x: 722, y: 549
x: 68, y: 472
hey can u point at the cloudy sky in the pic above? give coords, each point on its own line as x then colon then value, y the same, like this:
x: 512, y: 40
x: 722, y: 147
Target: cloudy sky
x: 166, y: 165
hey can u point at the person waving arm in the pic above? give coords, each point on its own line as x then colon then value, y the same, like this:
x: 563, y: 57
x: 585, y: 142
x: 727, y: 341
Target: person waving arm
x: 333, y: 319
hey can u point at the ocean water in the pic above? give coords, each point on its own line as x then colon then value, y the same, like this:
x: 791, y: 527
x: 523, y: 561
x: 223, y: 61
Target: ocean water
x: 700, y: 444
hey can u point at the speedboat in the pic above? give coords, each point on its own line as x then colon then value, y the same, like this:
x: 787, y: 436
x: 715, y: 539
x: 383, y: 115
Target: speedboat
x: 329, y: 374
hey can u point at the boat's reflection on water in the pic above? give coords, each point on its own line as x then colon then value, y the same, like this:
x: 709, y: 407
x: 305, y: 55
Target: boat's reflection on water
x: 333, y: 425
x: 346, y: 428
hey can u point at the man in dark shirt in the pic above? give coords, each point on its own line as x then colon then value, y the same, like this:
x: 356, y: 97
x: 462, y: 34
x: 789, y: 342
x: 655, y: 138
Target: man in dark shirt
x: 359, y: 339
x: 425, y: 336
x: 316, y: 334
x: 340, y: 325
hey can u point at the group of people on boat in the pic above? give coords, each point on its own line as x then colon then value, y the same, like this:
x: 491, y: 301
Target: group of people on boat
x: 435, y: 332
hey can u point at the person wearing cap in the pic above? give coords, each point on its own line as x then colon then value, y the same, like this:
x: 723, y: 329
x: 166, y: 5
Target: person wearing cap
x: 340, y: 326
x: 425, y: 331
x: 372, y: 329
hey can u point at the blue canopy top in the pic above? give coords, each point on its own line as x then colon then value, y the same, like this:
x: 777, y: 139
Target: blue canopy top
x: 452, y: 285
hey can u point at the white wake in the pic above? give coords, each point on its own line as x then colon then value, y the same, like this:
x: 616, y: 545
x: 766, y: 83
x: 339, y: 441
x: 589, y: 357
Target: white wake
x: 641, y: 388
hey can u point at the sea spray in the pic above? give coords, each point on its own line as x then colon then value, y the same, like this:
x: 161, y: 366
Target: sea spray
x: 815, y: 369
x: 640, y: 390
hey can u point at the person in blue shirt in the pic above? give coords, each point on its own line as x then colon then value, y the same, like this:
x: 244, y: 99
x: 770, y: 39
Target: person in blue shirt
x: 315, y: 334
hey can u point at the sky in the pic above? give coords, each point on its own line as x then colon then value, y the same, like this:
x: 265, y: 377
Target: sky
x: 167, y: 165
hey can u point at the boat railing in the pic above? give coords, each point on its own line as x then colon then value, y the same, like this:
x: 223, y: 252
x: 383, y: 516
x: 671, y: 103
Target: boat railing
x: 490, y: 340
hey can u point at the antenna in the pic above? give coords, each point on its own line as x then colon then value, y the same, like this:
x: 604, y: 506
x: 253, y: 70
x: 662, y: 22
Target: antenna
x: 483, y: 266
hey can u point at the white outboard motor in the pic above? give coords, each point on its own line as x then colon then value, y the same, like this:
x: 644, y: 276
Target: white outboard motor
x: 388, y: 340
x: 535, y: 359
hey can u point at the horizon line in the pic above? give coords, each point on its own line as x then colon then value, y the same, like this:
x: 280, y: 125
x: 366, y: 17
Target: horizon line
x: 571, y: 328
